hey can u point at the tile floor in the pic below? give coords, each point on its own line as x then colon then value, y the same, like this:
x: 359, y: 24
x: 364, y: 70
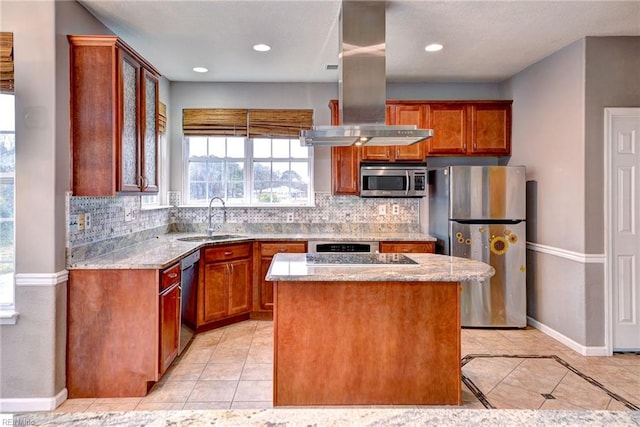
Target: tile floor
x: 231, y: 368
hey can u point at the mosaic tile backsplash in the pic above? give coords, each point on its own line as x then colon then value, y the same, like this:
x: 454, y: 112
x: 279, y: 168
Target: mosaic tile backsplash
x: 120, y: 221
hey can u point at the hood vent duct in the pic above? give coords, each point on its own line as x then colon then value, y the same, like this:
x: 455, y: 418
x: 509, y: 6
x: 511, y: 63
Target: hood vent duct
x: 362, y: 85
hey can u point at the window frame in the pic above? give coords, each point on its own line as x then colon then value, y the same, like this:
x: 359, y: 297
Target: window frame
x: 7, y: 309
x: 248, y: 173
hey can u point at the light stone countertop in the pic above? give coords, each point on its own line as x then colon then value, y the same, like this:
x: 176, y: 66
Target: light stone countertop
x: 165, y: 250
x: 357, y: 416
x: 430, y: 268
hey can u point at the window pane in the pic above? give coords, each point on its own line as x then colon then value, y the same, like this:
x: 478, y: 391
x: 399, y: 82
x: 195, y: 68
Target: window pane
x: 297, y: 151
x: 7, y: 153
x: 217, y: 147
x: 261, y: 148
x: 281, y: 148
x: 235, y: 148
x: 197, y: 147
x: 7, y: 113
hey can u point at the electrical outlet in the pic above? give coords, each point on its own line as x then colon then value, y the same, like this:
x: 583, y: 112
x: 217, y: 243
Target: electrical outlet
x: 128, y: 214
x: 73, y: 223
x: 80, y: 221
x: 289, y: 216
x: 87, y: 221
x: 382, y: 210
x: 395, y: 209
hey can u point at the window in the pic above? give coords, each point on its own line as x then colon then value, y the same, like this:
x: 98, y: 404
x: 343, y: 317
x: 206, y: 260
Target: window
x: 248, y: 171
x: 7, y: 207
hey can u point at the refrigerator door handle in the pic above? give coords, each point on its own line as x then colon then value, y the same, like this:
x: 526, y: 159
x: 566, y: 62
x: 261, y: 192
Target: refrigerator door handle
x: 488, y: 221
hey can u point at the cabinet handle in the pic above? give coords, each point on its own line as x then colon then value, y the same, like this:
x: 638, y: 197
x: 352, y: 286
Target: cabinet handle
x: 173, y: 275
x: 143, y: 183
x: 475, y: 145
x: 228, y: 253
x: 283, y: 250
x: 464, y: 147
x: 406, y: 250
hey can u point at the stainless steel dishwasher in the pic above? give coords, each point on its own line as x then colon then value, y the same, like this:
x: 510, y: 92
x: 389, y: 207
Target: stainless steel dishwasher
x: 189, y: 285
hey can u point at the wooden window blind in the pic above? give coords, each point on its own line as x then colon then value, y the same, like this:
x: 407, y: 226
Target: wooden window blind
x: 240, y: 122
x: 6, y: 63
x: 274, y: 123
x: 162, y: 118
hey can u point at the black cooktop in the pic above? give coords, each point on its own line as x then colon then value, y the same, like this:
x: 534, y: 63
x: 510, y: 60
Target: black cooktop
x: 349, y: 259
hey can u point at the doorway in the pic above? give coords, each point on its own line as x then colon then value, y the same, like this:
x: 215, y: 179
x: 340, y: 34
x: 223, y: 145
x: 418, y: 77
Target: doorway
x: 622, y: 240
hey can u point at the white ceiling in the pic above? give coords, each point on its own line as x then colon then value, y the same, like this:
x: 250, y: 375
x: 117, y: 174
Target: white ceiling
x: 485, y: 41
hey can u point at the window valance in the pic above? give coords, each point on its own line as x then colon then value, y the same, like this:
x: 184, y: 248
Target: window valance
x: 254, y: 123
x: 6, y: 63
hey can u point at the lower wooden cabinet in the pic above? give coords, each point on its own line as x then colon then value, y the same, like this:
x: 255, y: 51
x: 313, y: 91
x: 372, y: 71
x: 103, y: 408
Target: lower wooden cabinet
x: 264, y: 252
x: 407, y: 247
x: 121, y: 331
x: 169, y: 300
x: 225, y: 282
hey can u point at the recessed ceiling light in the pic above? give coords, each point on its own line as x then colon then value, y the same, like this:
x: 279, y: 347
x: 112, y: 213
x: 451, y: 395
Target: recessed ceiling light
x: 261, y: 47
x: 434, y: 47
x: 200, y: 69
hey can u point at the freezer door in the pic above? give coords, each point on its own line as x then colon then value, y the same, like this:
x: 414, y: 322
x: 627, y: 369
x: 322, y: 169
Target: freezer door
x: 487, y: 192
x: 500, y: 302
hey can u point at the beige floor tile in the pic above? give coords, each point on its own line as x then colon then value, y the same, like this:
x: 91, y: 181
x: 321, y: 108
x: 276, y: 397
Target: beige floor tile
x: 213, y: 391
x: 228, y: 355
x: 251, y: 405
x: 538, y: 375
x: 159, y: 406
x: 197, y: 355
x: 614, y: 405
x: 578, y: 392
x: 75, y: 405
x: 183, y: 371
x: 250, y: 391
x: 505, y: 396
x: 114, y: 404
x: 486, y: 373
x: 257, y: 371
x: 171, y: 391
x: 207, y: 405
x: 628, y: 391
x: 222, y: 371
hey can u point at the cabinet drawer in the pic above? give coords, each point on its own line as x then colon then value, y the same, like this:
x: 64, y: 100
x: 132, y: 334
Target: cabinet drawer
x: 407, y: 247
x: 226, y: 252
x: 170, y: 276
x: 272, y: 248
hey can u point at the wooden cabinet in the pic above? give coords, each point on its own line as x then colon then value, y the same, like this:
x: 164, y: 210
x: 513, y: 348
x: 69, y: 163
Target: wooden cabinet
x: 399, y: 114
x: 169, y: 301
x: 122, y: 330
x: 469, y: 128
x: 225, y: 283
x: 264, y: 252
x: 407, y: 247
x: 345, y: 162
x: 114, y: 116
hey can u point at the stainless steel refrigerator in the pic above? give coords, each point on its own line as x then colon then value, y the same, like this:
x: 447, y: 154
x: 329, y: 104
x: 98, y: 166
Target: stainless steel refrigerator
x: 478, y: 212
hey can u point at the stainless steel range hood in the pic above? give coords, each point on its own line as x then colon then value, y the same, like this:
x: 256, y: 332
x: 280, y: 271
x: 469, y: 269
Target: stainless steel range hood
x: 362, y: 85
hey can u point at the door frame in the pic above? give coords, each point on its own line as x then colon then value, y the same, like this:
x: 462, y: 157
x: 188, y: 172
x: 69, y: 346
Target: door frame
x: 609, y: 114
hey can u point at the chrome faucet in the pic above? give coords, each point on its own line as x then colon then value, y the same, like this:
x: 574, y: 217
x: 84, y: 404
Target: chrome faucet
x: 224, y: 214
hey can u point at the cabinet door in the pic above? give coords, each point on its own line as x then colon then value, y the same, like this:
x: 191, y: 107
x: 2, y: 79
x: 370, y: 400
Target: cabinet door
x: 215, y: 291
x: 239, y: 286
x: 407, y: 247
x: 491, y: 129
x: 169, y: 326
x: 266, y: 287
x: 149, y: 151
x: 409, y: 115
x: 448, y: 122
x: 129, y: 148
x: 345, y: 170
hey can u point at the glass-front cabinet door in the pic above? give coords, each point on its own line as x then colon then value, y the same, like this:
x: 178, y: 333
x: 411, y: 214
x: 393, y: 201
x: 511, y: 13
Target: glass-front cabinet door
x: 149, y: 175
x: 128, y: 178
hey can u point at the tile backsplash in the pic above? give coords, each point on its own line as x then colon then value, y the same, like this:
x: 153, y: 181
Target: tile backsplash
x: 120, y: 221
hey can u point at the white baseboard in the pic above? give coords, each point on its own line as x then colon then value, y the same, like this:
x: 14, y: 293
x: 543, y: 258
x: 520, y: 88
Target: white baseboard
x: 583, y: 350
x: 33, y: 404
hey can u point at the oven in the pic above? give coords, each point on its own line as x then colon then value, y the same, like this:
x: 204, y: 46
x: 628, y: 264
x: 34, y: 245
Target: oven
x: 365, y: 247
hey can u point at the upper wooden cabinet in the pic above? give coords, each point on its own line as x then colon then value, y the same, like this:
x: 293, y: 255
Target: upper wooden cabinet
x: 114, y: 118
x: 467, y: 128
x: 401, y: 115
x: 345, y: 162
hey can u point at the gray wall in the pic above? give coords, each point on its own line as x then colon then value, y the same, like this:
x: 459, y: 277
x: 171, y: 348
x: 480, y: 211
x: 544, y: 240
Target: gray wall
x: 558, y: 135
x: 33, y: 350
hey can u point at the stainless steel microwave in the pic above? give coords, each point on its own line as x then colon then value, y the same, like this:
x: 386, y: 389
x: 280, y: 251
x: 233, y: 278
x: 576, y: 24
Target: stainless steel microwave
x: 393, y: 179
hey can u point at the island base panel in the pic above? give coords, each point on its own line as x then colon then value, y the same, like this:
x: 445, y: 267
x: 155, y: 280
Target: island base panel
x: 367, y: 343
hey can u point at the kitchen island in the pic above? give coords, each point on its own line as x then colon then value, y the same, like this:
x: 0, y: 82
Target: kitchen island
x: 355, y: 330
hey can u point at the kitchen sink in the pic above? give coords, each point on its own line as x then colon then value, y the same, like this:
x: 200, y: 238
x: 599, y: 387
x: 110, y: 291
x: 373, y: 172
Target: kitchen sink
x: 213, y: 238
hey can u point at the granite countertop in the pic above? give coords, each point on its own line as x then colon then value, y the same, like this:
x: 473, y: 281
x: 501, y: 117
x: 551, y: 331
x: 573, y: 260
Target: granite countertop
x: 429, y: 268
x: 165, y: 250
x: 356, y: 416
